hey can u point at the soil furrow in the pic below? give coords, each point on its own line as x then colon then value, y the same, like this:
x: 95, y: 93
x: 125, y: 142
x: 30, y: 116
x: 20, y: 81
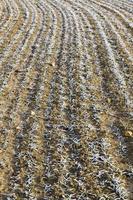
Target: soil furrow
x: 66, y: 100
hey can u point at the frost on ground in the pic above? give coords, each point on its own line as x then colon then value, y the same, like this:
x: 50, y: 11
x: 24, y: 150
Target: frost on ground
x: 66, y: 100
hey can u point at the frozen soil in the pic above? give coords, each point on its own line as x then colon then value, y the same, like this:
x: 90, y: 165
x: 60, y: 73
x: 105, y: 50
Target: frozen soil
x: 66, y: 100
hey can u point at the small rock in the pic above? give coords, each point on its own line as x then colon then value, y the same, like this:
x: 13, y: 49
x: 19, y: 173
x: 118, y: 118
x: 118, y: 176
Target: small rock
x: 129, y: 134
x: 32, y: 113
x: 18, y: 127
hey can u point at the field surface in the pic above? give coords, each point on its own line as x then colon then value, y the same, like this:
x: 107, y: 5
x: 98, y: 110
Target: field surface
x: 66, y: 100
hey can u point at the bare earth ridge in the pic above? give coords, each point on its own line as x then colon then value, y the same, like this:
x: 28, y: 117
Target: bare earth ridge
x: 66, y: 100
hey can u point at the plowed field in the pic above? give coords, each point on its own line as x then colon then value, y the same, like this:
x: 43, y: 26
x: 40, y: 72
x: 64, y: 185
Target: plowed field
x: 66, y: 100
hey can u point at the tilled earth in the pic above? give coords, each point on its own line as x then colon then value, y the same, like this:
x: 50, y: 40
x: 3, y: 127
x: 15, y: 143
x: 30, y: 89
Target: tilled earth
x: 66, y: 100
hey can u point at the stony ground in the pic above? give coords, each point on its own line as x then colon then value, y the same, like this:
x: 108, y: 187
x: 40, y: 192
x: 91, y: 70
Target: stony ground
x: 66, y: 100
